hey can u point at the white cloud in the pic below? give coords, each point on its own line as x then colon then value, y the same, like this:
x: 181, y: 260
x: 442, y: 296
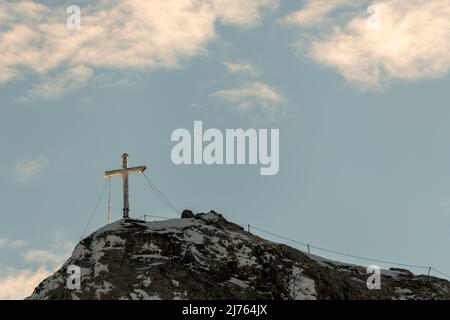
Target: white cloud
x: 253, y: 95
x: 16, y: 244
x: 12, y: 244
x: 54, y: 87
x: 118, y: 35
x: 412, y: 44
x: 315, y: 12
x: 242, y: 12
x: 59, y: 249
x: 44, y: 257
x: 30, y: 168
x: 240, y: 68
x: 60, y: 243
x: 8, y: 74
x: 18, y: 284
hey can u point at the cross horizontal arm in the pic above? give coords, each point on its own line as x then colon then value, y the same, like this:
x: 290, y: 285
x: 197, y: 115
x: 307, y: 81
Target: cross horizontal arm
x: 126, y: 171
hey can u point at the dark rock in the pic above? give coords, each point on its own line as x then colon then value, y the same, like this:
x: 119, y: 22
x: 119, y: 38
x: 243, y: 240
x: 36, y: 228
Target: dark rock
x: 211, y: 258
x: 187, y: 214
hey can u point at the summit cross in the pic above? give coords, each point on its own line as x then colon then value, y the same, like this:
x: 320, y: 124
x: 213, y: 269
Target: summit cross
x: 124, y: 172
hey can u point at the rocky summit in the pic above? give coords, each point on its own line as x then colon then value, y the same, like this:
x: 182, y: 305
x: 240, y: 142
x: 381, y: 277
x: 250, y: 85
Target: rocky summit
x: 203, y: 256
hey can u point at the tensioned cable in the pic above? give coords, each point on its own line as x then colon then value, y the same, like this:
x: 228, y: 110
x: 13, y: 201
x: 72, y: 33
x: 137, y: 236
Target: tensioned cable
x: 95, y: 209
x: 109, y: 200
x: 340, y: 253
x: 160, y: 195
x: 278, y: 236
x: 441, y: 273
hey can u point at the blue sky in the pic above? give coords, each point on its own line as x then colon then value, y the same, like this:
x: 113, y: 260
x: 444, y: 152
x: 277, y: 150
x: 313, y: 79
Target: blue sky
x: 363, y: 117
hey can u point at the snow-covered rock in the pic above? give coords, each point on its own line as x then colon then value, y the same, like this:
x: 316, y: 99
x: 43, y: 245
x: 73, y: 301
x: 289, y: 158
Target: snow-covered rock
x: 207, y: 257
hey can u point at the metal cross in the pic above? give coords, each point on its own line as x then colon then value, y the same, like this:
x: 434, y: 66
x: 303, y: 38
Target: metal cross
x: 124, y: 172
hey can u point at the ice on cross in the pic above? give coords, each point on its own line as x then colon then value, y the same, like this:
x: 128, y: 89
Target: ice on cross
x: 124, y: 172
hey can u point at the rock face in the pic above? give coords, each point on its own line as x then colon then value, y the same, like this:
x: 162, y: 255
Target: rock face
x: 207, y: 257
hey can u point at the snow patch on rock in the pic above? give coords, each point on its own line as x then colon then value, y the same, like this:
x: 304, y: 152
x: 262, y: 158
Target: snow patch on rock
x: 301, y: 287
x: 238, y: 282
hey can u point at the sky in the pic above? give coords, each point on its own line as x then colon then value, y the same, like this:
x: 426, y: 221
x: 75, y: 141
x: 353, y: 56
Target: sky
x: 358, y: 91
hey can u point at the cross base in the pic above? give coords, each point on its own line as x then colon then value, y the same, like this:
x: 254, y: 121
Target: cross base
x: 126, y: 212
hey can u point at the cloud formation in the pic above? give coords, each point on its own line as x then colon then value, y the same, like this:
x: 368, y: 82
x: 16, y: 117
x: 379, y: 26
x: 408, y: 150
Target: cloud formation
x: 30, y: 168
x: 16, y: 244
x: 12, y: 244
x: 115, y: 34
x: 242, y: 12
x: 253, y: 95
x: 240, y: 68
x: 44, y: 256
x: 64, y: 83
x: 18, y: 284
x: 413, y: 42
x: 315, y: 12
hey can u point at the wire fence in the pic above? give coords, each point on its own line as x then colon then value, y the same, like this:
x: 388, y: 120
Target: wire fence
x: 308, y: 246
x: 152, y: 216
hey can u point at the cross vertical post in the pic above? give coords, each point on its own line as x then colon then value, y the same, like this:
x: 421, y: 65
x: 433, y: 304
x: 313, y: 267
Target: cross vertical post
x: 124, y: 173
x: 126, y: 201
